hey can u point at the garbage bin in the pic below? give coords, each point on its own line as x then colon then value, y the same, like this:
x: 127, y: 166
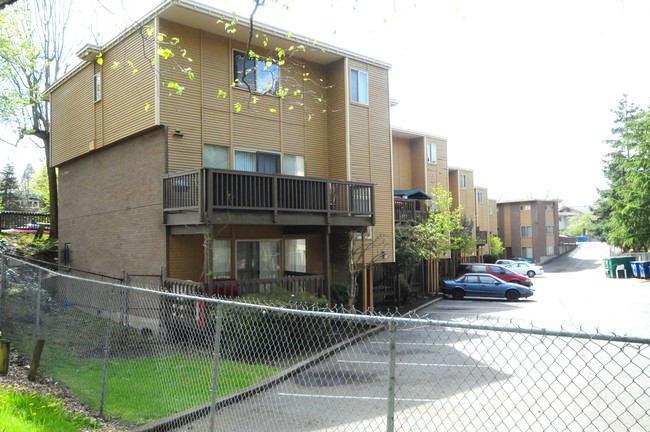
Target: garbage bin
x: 612, y: 263
x: 636, y: 268
x: 644, y: 269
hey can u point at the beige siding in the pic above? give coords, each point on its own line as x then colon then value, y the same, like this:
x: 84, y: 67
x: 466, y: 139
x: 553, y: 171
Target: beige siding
x: 337, y: 98
x: 125, y: 93
x: 182, y: 112
x: 72, y: 104
x: 185, y: 257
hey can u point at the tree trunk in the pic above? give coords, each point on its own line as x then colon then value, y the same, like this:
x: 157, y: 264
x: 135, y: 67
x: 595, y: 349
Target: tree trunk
x: 53, y: 186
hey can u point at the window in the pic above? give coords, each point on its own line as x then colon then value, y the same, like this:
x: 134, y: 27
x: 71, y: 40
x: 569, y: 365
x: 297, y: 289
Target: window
x: 463, y: 181
x: 295, y: 255
x: 550, y: 229
x: 549, y: 207
x: 527, y: 252
x: 261, y: 75
x: 490, y: 209
x: 526, y: 231
x: 294, y: 165
x: 216, y: 157
x: 479, y: 197
x: 359, y: 86
x: 432, y: 153
x: 550, y: 250
x: 257, y: 161
x: 221, y: 259
x: 97, y: 87
x: 258, y: 259
x: 524, y: 207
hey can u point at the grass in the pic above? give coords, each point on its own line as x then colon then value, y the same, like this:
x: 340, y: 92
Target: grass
x: 141, y: 390
x: 22, y: 411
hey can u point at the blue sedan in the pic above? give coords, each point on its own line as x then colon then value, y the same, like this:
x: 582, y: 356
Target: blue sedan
x: 484, y: 285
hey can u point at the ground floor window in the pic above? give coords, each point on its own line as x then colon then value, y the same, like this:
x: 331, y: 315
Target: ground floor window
x: 295, y: 255
x: 221, y: 259
x: 527, y: 252
x: 258, y: 259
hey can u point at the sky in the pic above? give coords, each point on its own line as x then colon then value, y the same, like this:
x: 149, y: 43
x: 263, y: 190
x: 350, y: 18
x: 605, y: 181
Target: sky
x: 521, y: 90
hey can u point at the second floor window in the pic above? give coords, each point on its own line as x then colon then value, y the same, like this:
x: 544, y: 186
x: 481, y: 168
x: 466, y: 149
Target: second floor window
x: 97, y: 87
x: 524, y: 207
x: 550, y: 229
x: 260, y: 75
x: 216, y: 156
x: 294, y: 165
x: 526, y: 231
x: 432, y: 153
x: 359, y: 86
x: 479, y: 197
x: 463, y: 181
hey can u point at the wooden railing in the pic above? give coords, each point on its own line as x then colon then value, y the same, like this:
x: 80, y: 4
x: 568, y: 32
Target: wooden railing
x: 292, y: 282
x: 210, y: 190
x: 11, y: 219
x: 409, y: 210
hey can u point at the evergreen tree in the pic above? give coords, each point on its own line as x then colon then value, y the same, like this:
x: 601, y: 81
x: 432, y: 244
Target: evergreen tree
x: 9, y: 187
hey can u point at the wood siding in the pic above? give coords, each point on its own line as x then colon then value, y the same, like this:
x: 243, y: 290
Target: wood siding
x: 81, y: 125
x: 337, y: 122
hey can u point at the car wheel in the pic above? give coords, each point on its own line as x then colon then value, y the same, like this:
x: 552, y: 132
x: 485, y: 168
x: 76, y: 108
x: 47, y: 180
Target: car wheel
x: 531, y: 273
x: 457, y: 294
x: 512, y: 295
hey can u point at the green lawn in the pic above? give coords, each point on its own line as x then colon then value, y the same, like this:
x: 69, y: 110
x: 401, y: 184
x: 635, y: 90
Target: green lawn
x: 145, y: 389
x: 22, y: 411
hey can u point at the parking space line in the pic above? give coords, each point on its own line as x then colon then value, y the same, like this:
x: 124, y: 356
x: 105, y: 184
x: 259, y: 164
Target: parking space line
x: 412, y: 364
x: 372, y: 398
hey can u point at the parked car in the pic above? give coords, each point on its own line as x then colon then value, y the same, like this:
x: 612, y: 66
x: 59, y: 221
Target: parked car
x: 528, y: 269
x: 528, y: 260
x: 484, y: 285
x: 496, y: 270
x: 505, y: 262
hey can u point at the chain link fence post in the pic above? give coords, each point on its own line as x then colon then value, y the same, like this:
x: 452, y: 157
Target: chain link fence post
x: 392, y: 354
x: 107, y: 348
x: 4, y: 273
x: 215, y: 367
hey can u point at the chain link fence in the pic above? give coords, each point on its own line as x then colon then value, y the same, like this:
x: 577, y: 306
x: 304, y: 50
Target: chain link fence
x: 160, y: 361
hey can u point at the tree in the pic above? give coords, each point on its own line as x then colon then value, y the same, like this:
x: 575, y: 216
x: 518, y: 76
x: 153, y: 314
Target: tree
x: 622, y: 212
x: 32, y: 57
x: 434, y: 237
x: 496, y: 246
x: 41, y: 188
x: 9, y: 187
x: 26, y: 180
x: 581, y: 224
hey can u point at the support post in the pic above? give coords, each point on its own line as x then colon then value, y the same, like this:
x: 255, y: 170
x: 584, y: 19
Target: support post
x: 5, y: 344
x: 215, y: 368
x: 36, y: 359
x: 390, y: 421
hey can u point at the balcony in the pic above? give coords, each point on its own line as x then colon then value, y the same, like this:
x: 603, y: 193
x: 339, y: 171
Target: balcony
x: 409, y: 210
x: 238, y: 197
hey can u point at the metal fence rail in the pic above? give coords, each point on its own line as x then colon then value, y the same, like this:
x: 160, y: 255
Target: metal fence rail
x: 164, y: 361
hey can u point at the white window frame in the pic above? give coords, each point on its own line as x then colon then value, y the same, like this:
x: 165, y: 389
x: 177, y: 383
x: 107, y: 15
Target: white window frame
x: 432, y: 153
x: 527, y: 252
x: 525, y: 207
x: 97, y: 87
x: 359, y: 86
x: 221, y: 256
x: 550, y: 229
x: 295, y: 255
x: 462, y: 181
x: 479, y: 197
x: 526, y: 231
x: 258, y: 72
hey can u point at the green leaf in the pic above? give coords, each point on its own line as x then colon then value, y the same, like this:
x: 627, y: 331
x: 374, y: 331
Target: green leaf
x: 146, y: 106
x: 237, y: 107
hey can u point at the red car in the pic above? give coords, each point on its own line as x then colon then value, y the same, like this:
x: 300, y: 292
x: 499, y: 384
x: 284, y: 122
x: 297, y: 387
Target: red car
x: 496, y: 270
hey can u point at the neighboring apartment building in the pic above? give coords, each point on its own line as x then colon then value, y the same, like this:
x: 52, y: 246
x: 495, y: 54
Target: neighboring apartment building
x: 482, y: 218
x: 419, y: 167
x: 529, y: 228
x: 461, y: 186
x: 219, y: 181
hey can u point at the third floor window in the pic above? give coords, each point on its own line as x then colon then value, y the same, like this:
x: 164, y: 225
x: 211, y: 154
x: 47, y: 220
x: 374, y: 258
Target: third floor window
x: 260, y: 75
x: 359, y: 86
x: 526, y: 231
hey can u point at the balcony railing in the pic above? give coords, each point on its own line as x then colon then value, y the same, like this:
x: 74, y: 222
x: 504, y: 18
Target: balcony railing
x: 409, y: 210
x: 210, y: 193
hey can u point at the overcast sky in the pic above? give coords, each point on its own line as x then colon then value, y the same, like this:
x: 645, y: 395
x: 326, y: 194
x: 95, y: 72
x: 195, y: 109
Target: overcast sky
x: 522, y: 90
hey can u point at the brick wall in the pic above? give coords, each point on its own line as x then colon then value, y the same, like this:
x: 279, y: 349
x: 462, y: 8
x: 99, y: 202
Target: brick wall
x: 110, y: 208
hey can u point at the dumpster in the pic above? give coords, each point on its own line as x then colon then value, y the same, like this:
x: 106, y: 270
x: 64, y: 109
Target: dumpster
x: 644, y: 269
x: 636, y: 268
x: 612, y: 263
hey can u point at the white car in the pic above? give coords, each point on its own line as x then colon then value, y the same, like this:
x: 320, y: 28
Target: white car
x: 524, y: 268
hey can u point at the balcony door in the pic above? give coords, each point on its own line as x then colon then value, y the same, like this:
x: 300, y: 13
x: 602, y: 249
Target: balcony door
x: 258, y: 259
